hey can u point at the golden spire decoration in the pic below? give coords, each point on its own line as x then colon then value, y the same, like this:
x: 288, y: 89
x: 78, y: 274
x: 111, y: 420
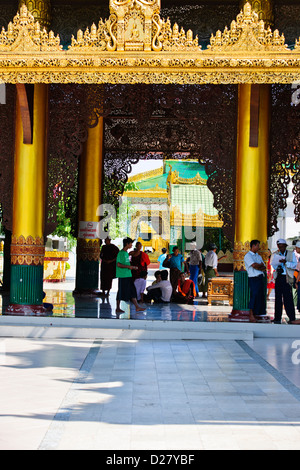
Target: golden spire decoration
x: 135, y: 25
x: 41, y: 11
x: 264, y: 9
x: 25, y: 35
x: 247, y: 33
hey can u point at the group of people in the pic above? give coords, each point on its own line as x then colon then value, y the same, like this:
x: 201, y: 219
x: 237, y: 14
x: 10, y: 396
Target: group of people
x: 131, y: 271
x: 181, y: 280
x: 131, y: 268
x: 283, y: 274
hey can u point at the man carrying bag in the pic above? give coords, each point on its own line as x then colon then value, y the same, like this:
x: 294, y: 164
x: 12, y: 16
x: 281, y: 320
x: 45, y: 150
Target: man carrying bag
x: 284, y: 264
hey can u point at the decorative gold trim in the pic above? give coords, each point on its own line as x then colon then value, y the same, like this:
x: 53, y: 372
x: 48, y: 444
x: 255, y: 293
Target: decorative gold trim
x: 28, y: 251
x: 248, y: 52
x: 146, y: 175
x: 198, y: 219
x: 197, y: 180
x: 241, y: 249
x: 152, y: 193
x: 88, y: 250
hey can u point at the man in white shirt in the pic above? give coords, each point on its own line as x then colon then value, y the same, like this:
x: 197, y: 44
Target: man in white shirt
x: 211, y: 267
x: 284, y: 264
x: 255, y: 268
x: 161, y: 291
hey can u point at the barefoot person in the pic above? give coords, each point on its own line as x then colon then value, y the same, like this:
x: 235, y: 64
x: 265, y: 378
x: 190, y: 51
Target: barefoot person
x: 126, y: 287
x: 255, y: 268
x: 108, y: 256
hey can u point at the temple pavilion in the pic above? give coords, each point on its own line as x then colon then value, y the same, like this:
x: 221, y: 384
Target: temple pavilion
x: 88, y: 88
x: 168, y: 200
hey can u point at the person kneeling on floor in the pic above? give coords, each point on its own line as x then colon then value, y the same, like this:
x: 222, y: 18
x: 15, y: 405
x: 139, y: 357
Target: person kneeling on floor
x: 186, y: 291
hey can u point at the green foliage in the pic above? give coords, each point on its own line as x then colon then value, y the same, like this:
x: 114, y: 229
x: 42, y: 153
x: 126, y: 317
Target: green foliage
x: 64, y: 225
x: 112, y: 191
x: 216, y: 236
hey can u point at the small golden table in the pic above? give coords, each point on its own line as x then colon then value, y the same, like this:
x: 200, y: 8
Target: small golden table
x: 220, y: 288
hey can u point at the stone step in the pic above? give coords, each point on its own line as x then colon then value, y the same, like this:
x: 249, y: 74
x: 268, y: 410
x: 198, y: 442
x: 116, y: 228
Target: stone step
x: 95, y: 328
x: 46, y: 327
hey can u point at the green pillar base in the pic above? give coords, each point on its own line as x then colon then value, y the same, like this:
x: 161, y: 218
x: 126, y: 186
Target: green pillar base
x: 241, y: 296
x: 87, y: 278
x: 26, y: 292
x: 241, y: 292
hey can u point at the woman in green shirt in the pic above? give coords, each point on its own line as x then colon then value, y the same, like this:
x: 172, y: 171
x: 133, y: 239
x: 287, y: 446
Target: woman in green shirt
x: 126, y: 287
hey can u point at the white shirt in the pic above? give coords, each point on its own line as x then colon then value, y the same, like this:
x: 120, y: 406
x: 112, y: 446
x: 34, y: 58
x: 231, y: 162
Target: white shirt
x: 211, y: 260
x: 249, y: 259
x: 289, y: 264
x: 195, y: 258
x: 166, y: 290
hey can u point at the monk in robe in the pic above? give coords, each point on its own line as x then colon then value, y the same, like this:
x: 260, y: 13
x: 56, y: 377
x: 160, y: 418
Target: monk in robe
x: 108, y: 256
x: 186, y: 291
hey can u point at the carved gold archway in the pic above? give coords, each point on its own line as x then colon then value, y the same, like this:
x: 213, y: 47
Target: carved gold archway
x: 135, y: 45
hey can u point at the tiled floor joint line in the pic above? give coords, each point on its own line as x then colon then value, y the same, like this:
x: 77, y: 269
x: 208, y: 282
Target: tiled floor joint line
x: 286, y: 383
x: 56, y: 428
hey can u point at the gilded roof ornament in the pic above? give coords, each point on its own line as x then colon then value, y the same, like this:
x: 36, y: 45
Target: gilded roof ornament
x: 297, y: 44
x: 247, y: 33
x: 134, y: 25
x: 25, y: 35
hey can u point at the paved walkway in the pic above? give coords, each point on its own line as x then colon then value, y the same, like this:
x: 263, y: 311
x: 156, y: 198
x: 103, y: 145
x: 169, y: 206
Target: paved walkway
x: 149, y: 394
x: 132, y: 395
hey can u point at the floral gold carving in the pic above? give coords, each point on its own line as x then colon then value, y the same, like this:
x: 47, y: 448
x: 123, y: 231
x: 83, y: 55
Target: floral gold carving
x: 28, y: 251
x: 88, y: 250
x: 198, y: 180
x: 241, y: 249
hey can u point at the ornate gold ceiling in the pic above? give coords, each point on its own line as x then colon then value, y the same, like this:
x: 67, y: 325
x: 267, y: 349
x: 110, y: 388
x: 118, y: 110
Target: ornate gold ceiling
x: 136, y: 45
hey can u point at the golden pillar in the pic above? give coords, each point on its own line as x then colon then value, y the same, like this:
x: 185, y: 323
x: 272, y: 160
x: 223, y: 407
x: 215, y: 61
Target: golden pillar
x: 30, y: 171
x: 90, y: 198
x: 252, y: 186
x: 27, y: 247
x: 252, y: 166
x: 252, y: 175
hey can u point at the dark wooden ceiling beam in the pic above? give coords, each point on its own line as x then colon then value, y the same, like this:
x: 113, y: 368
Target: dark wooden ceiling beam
x: 25, y: 98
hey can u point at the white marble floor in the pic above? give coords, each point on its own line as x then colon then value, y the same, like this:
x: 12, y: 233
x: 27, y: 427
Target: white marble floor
x: 140, y: 395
